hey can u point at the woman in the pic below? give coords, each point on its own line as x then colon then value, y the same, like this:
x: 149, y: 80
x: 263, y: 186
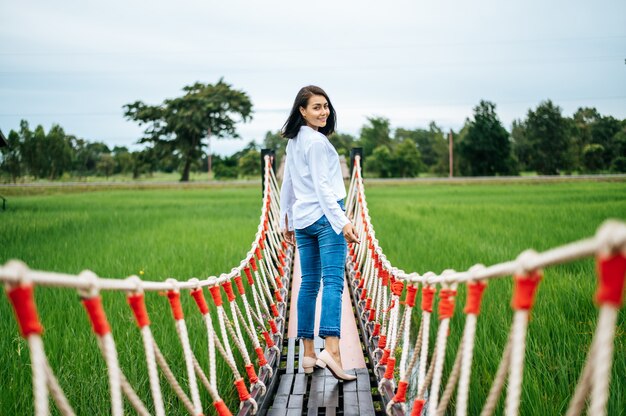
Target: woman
x: 312, y: 204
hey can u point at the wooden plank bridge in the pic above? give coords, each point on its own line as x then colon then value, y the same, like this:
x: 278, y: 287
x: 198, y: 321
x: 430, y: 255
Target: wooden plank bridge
x: 291, y: 392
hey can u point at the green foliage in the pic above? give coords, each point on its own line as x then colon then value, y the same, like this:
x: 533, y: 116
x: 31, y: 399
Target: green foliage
x: 381, y: 162
x: 250, y: 163
x: 183, y: 123
x: 546, y: 131
x: 593, y: 155
x: 486, y: 149
x: 431, y: 144
x: 106, y: 165
x: 374, y: 134
x: 407, y: 161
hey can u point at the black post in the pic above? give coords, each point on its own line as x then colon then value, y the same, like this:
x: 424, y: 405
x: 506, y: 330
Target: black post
x: 354, y: 152
x: 272, y: 154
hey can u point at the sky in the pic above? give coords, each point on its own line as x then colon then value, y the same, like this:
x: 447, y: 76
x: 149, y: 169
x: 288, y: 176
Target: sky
x: 77, y: 63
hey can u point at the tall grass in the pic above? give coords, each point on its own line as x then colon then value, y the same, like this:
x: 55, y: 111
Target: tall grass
x: 200, y: 232
x: 432, y: 228
x: 162, y: 233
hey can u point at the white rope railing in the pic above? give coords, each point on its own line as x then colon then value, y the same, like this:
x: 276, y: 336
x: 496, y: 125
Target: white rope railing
x: 268, y: 252
x: 376, y: 284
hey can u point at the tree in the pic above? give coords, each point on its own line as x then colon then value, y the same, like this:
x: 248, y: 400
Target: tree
x: 343, y: 143
x: 250, y: 163
x: 546, y: 130
x: 407, y: 161
x: 381, y: 162
x: 593, y: 155
x: 183, y: 123
x: 11, y: 161
x: 486, y: 148
x: 522, y: 148
x: 274, y: 141
x: 106, y: 165
x: 377, y: 133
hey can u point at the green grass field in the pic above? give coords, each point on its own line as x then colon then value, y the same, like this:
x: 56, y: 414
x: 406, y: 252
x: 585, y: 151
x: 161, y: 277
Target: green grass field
x: 199, y: 232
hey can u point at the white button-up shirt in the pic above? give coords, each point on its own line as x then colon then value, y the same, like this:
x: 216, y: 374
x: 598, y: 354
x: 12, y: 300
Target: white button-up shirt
x: 312, y: 182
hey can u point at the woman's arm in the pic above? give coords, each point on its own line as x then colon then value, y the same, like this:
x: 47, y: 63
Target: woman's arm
x: 287, y: 199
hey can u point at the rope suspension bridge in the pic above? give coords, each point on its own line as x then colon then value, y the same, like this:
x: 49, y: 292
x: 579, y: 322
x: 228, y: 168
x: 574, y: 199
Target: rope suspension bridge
x: 405, y: 372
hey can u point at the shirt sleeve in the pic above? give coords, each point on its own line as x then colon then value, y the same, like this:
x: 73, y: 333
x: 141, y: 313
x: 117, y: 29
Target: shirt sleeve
x: 318, y: 164
x: 287, y: 199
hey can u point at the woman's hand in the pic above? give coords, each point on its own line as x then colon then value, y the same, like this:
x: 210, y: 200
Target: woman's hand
x: 289, y: 237
x: 349, y: 233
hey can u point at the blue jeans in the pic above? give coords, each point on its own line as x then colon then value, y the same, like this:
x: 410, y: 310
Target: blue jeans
x: 322, y: 257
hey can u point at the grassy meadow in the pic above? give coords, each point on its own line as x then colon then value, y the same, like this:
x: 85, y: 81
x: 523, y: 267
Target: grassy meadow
x: 183, y: 233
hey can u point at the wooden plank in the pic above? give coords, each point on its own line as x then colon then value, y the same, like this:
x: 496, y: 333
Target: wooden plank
x: 366, y: 405
x: 280, y: 401
x: 363, y: 381
x: 285, y: 384
x: 331, y: 411
x: 277, y: 412
x: 299, y: 384
x: 316, y: 399
x: 313, y: 411
x: 295, y: 401
x: 331, y: 392
x: 294, y: 412
x: 317, y: 381
x: 350, y: 402
x: 291, y: 350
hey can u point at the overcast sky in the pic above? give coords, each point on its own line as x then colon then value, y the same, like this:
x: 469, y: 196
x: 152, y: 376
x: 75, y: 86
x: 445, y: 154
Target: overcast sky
x: 76, y: 63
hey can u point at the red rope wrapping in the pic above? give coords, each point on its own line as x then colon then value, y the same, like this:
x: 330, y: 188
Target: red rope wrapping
x: 258, y: 253
x: 268, y: 340
x: 384, y: 274
x: 474, y: 297
x: 382, y: 341
x: 273, y: 326
x: 361, y: 283
x: 364, y: 294
x: 525, y: 290
x: 253, y: 264
x: 400, y: 396
x: 228, y: 288
x: 285, y: 245
x: 177, y: 309
x: 198, y: 296
x: 251, y: 374
x: 262, y: 239
x: 418, y: 405
x: 242, y: 390
x: 391, y: 365
x: 249, y: 275
x: 368, y: 304
x: 397, y: 287
x: 279, y: 283
x: 25, y: 310
x: 376, y: 330
x: 385, y: 357
x: 428, y: 294
x: 372, y: 316
x: 357, y: 277
x: 278, y: 296
x: 260, y: 355
x: 611, y: 271
x: 282, y: 263
x: 138, y: 305
x: 221, y: 408
x: 274, y: 310
x: 216, y: 295
x: 96, y: 314
x: 446, y: 303
x: 411, y: 292
x: 239, y: 283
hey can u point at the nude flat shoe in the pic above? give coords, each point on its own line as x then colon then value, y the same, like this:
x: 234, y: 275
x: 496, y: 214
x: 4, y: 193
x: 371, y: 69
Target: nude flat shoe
x: 325, y: 360
x: 308, y: 364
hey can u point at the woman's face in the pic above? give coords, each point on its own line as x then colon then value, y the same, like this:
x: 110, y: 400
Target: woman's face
x: 316, y: 111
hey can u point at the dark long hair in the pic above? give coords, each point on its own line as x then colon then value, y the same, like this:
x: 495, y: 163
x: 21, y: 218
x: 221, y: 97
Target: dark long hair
x: 292, y: 125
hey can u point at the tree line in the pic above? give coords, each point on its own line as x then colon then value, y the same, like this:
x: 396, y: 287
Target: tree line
x: 176, y: 134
